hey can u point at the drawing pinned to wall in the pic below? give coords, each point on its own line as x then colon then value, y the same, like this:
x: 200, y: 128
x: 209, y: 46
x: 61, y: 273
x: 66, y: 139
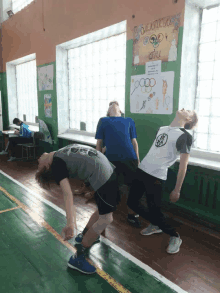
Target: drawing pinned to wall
x: 173, y: 51
x: 164, y: 90
x: 157, y: 103
x: 48, y: 105
x: 144, y: 90
x: 149, y: 111
x: 45, y: 78
x: 166, y: 105
x: 152, y: 95
x: 156, y: 40
x: 167, y: 102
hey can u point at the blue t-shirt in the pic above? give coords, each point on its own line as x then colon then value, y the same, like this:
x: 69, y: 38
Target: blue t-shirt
x: 117, y: 133
x: 24, y: 131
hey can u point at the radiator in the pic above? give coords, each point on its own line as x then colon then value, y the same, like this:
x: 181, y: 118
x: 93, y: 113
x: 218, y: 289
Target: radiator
x: 200, y: 193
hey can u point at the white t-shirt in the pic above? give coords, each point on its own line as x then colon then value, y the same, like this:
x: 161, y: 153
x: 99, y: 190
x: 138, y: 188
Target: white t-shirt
x: 170, y: 142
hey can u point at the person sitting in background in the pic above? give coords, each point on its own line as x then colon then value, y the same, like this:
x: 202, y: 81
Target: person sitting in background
x: 23, y: 136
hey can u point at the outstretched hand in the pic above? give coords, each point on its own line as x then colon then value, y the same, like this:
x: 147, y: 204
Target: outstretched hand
x: 174, y: 196
x: 67, y: 232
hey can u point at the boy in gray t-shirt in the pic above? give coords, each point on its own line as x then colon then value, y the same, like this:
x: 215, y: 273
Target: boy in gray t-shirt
x: 85, y: 163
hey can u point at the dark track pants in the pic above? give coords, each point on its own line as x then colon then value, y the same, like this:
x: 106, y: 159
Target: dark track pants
x: 153, y: 188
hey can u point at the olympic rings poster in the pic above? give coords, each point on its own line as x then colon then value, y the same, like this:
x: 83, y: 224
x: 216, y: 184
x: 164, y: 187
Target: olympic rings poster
x: 152, y: 95
x: 156, y: 40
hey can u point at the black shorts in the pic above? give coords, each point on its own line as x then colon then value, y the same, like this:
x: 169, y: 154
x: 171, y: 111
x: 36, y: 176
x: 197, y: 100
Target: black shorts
x: 126, y: 168
x: 106, y: 196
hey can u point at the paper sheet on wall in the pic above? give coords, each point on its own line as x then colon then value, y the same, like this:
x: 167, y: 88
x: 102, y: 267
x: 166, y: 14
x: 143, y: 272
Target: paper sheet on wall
x: 152, y: 95
x: 45, y: 78
x: 153, y: 68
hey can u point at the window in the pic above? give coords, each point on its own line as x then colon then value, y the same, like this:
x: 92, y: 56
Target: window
x: 18, y: 5
x: 200, y: 74
x: 26, y: 77
x: 207, y: 102
x: 90, y: 73
x: 96, y: 77
x: 22, y: 89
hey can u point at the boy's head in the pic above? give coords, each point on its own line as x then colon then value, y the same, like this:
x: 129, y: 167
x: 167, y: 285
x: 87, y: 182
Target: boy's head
x: 17, y: 121
x: 189, y: 117
x: 113, y: 108
x: 44, y: 174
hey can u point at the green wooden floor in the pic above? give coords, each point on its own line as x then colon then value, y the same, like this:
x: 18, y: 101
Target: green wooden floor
x: 33, y: 260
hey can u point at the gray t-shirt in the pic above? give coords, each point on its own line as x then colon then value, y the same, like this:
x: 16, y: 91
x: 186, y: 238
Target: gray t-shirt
x: 82, y: 162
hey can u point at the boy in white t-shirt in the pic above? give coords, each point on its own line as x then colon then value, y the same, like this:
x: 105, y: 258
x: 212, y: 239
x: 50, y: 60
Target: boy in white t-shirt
x: 170, y: 143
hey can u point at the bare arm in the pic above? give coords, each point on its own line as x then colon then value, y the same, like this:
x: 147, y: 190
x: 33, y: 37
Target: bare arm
x: 68, y: 199
x: 99, y: 144
x: 135, y: 146
x: 184, y: 158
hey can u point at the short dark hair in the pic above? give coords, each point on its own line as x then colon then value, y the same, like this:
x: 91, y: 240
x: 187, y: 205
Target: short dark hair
x: 44, y: 177
x: 16, y: 121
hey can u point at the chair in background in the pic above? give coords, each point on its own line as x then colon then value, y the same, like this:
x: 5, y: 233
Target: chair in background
x: 31, y: 147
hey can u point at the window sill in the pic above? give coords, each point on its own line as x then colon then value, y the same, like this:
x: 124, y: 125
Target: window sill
x: 204, y: 163
x: 78, y: 137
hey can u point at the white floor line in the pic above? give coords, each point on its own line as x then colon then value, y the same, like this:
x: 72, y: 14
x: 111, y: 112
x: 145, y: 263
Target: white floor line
x: 107, y: 242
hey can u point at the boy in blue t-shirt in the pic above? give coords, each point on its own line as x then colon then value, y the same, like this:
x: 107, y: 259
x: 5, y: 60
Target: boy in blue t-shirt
x: 118, y: 135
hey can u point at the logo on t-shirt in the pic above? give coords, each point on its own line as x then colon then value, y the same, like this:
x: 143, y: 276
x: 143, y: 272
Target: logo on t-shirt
x: 161, y: 140
x: 74, y: 149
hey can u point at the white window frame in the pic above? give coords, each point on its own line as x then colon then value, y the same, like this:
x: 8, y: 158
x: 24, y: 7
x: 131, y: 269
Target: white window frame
x: 189, y: 65
x: 62, y: 72
x: 12, y: 87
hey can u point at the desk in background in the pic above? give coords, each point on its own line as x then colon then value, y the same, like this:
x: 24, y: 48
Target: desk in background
x: 7, y: 134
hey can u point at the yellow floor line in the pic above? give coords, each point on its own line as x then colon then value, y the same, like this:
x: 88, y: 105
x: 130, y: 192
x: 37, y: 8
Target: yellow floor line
x: 44, y: 224
x: 8, y: 210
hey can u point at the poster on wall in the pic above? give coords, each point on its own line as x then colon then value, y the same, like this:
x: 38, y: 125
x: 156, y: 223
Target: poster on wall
x: 45, y: 78
x: 48, y: 105
x: 166, y: 105
x: 152, y: 95
x: 156, y: 40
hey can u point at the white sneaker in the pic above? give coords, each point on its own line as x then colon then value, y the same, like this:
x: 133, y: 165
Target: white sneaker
x: 174, y: 245
x: 3, y: 153
x: 12, y: 159
x: 151, y: 229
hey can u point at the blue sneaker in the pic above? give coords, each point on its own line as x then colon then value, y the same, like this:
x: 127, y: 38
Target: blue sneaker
x: 81, y: 264
x: 79, y: 239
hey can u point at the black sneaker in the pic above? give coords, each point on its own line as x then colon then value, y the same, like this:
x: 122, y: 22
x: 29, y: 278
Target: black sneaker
x: 134, y: 220
x: 79, y: 239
